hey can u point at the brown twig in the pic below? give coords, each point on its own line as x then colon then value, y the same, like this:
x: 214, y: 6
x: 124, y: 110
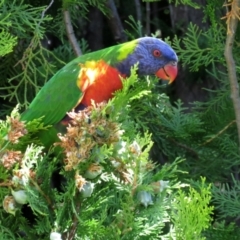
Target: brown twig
x: 70, y: 235
x: 7, y: 183
x: 45, y: 10
x: 115, y: 22
x: 232, y: 22
x: 219, y: 133
x: 70, y: 33
x: 232, y: 14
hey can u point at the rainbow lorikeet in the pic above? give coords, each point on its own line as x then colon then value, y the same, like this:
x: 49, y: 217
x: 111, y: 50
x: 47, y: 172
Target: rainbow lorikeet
x: 96, y: 76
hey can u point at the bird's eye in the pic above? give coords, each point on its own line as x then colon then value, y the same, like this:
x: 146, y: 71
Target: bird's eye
x: 156, y: 53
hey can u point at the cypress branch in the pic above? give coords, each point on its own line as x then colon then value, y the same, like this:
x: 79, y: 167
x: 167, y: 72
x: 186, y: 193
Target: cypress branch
x: 232, y: 22
x: 70, y: 33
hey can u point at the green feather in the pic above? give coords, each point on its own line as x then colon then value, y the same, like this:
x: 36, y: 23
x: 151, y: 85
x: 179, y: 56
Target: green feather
x: 56, y: 98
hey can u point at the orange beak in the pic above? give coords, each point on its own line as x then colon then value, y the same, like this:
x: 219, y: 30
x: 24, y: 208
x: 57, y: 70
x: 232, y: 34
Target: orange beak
x: 168, y: 72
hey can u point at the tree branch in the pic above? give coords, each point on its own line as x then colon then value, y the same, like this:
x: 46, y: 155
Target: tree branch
x: 70, y: 235
x: 45, y: 10
x: 138, y: 10
x: 219, y: 133
x: 115, y: 22
x: 70, y: 33
x: 232, y: 22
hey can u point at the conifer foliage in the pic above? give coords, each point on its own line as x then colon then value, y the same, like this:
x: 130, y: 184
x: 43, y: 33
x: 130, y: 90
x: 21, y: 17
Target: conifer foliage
x: 136, y: 167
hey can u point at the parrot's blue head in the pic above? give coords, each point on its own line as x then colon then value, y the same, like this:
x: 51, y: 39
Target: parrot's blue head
x: 153, y: 56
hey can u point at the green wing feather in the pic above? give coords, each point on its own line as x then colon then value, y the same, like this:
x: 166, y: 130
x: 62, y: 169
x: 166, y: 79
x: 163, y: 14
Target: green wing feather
x: 57, y: 97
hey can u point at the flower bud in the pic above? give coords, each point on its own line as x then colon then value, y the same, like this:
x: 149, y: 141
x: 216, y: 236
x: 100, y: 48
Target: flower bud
x: 9, y: 205
x: 20, y: 196
x: 93, y: 171
x: 87, y: 189
x: 135, y: 148
x: 55, y: 236
x: 159, y: 186
x: 145, y: 198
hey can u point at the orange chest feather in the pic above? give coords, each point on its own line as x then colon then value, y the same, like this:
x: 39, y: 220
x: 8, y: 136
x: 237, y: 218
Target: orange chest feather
x: 98, y: 81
